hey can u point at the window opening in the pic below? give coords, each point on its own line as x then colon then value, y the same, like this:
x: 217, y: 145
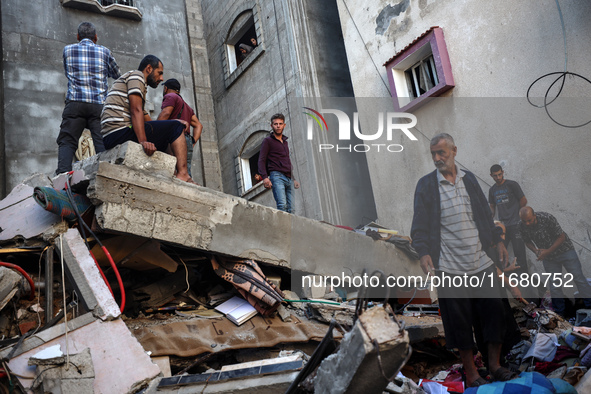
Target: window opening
x: 421, y: 77
x: 420, y: 71
x: 240, y: 45
x: 250, y: 169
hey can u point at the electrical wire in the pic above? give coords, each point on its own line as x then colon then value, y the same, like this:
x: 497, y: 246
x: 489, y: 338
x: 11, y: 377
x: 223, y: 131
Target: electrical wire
x: 23, y: 273
x: 366, y: 49
x: 39, y: 290
x: 561, y: 77
x: 64, y: 298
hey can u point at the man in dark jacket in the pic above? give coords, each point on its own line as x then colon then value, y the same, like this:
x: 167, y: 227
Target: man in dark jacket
x: 275, y: 165
x: 452, y: 227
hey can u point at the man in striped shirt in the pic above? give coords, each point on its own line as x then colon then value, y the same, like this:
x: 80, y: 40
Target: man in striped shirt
x: 452, y: 227
x: 125, y: 119
x: 87, y: 67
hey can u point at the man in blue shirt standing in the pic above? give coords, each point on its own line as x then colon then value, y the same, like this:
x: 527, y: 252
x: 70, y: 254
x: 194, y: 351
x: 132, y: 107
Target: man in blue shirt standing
x: 87, y: 67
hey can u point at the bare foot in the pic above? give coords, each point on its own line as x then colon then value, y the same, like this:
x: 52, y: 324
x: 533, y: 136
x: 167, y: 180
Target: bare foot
x: 186, y: 178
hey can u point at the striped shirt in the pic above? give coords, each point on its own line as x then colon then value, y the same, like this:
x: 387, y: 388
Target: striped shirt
x: 116, y: 114
x: 461, y: 249
x: 87, y: 67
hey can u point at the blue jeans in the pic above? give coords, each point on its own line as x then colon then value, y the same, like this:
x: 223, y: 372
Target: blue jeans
x: 282, y: 190
x: 511, y: 235
x: 570, y: 261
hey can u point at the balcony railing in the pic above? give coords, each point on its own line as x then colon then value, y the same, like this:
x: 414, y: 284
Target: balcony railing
x: 120, y: 2
x: 119, y: 8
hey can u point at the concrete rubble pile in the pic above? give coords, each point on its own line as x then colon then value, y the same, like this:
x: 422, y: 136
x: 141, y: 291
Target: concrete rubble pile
x: 158, y: 318
x: 66, y: 332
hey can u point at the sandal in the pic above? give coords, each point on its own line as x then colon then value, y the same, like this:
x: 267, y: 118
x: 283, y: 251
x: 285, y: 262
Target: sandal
x: 502, y: 374
x: 478, y: 382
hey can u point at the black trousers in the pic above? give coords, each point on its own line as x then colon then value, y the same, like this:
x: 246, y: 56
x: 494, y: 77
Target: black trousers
x: 76, y: 117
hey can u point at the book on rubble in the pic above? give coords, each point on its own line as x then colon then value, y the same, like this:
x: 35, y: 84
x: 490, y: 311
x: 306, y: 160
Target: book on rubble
x: 237, y: 310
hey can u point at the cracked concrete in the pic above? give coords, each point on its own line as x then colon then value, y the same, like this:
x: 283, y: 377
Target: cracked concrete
x: 132, y: 200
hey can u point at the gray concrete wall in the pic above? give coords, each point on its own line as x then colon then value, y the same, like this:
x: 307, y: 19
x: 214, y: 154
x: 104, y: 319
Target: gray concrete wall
x: 302, y: 56
x: 497, y: 49
x: 33, y: 37
x: 2, y: 147
x: 207, y: 161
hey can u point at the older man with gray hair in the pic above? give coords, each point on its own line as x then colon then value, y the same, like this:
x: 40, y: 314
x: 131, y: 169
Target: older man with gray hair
x: 451, y: 229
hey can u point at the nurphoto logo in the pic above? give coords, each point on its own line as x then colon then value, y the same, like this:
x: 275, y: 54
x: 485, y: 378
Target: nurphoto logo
x: 390, y: 122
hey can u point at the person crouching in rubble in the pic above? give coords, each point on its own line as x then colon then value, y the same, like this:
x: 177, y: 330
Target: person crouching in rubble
x: 452, y: 223
x: 125, y: 119
x: 543, y: 235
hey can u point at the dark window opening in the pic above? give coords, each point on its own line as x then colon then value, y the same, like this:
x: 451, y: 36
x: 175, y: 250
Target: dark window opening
x: 421, y: 77
x: 120, y: 2
x: 248, y: 45
x: 254, y: 168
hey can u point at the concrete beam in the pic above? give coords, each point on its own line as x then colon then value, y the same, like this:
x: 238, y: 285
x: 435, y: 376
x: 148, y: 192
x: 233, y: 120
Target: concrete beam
x: 133, y: 200
x: 355, y: 367
x: 86, y: 276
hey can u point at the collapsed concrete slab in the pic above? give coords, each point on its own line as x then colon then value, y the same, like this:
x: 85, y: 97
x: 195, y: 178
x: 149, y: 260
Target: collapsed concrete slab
x: 370, y: 354
x: 137, y: 194
x: 120, y: 363
x: 21, y: 216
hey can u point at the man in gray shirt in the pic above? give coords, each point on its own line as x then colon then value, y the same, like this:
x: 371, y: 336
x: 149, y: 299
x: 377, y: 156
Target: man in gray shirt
x: 506, y: 198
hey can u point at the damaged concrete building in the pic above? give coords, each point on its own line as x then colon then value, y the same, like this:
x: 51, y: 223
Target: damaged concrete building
x: 462, y: 67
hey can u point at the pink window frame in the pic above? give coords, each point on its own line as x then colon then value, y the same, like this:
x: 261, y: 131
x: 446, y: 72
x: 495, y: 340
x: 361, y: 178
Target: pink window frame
x: 434, y: 38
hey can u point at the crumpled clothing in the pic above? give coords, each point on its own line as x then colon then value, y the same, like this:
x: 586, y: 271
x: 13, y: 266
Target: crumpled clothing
x: 583, y: 330
x: 401, y: 242
x: 85, y: 146
x: 543, y: 347
x: 518, y: 352
x: 572, y: 341
x: 545, y: 367
x: 586, y: 356
x: 574, y: 374
x: 563, y: 352
x: 248, y: 278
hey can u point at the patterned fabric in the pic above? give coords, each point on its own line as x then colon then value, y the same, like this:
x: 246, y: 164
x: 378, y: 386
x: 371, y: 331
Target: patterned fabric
x: 544, y: 233
x: 248, y: 278
x: 426, y: 223
x: 59, y: 203
x: 87, y: 67
x: 461, y: 250
x: 526, y: 383
x: 116, y: 114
